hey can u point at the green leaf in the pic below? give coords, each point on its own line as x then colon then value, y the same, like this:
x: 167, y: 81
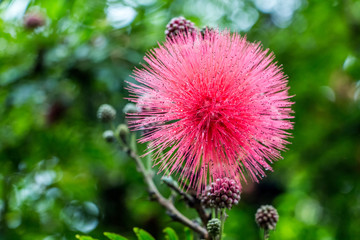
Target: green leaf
x: 170, y: 234
x: 84, y: 237
x: 113, y: 236
x: 142, y: 234
x: 188, y: 234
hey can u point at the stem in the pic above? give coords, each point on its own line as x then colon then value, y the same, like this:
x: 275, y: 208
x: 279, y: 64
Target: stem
x: 266, y: 234
x: 156, y: 195
x: 148, y: 161
x: 192, y: 201
x: 222, y: 219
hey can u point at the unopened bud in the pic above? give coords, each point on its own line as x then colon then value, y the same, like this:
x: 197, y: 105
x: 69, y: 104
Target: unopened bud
x: 223, y: 193
x: 267, y: 217
x: 109, y: 136
x: 33, y: 20
x: 106, y: 113
x: 214, y: 227
x: 130, y: 108
x: 179, y: 25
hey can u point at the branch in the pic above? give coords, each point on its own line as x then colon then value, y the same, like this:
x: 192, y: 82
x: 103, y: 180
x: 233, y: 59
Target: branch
x: 156, y: 195
x: 191, y: 200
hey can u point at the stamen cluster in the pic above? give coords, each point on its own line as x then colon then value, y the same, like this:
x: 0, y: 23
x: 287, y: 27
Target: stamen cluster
x: 214, y: 105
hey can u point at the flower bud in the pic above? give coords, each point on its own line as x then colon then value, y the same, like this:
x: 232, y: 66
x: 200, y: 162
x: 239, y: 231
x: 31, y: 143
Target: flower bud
x: 214, y: 227
x: 130, y: 108
x: 109, y: 136
x: 179, y: 25
x: 267, y: 217
x: 222, y: 193
x: 106, y: 113
x: 33, y: 20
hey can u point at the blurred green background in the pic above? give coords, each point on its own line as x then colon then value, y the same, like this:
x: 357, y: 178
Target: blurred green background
x: 58, y: 177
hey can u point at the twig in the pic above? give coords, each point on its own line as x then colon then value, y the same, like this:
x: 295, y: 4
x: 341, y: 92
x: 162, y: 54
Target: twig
x: 156, y: 195
x: 205, y: 217
x: 192, y: 201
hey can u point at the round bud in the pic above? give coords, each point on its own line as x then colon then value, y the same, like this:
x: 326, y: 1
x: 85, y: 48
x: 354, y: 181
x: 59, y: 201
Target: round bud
x: 214, y: 227
x: 33, y: 20
x: 131, y: 108
x: 267, y: 217
x: 109, y: 136
x: 179, y: 25
x: 223, y: 193
x: 106, y: 113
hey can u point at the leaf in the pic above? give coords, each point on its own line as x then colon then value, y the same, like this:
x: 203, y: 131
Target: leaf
x: 142, y: 234
x: 84, y: 237
x: 170, y: 234
x: 113, y: 236
x: 188, y: 234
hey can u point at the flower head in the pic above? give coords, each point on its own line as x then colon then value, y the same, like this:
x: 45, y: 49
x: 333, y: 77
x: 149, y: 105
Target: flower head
x: 106, y: 113
x: 223, y: 193
x: 214, y: 226
x: 266, y: 217
x: 179, y: 25
x: 218, y: 104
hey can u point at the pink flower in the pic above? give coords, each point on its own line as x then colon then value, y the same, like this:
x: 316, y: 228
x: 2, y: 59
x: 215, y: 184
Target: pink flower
x: 218, y: 106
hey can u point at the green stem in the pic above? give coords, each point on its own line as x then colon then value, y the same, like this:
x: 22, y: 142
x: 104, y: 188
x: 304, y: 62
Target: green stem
x: 133, y: 144
x: 266, y: 234
x: 222, y: 219
x: 112, y: 126
x: 149, y: 162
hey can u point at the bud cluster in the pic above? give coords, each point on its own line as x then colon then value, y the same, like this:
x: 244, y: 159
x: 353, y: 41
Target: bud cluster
x: 214, y: 226
x: 109, y: 136
x: 179, y: 25
x: 267, y: 217
x: 130, y: 108
x: 224, y: 192
x: 106, y: 113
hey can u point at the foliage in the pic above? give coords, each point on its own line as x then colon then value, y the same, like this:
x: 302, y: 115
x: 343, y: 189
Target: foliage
x: 141, y: 234
x: 59, y: 178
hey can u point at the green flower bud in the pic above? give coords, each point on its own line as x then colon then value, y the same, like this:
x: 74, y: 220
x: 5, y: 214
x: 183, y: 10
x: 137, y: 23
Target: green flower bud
x: 106, y: 113
x: 214, y: 227
x: 109, y: 136
x: 130, y: 108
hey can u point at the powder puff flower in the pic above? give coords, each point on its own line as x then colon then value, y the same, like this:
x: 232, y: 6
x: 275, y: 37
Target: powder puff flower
x: 215, y: 106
